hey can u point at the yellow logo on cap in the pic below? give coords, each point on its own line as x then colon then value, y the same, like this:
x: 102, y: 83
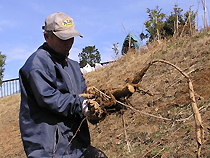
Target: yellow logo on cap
x: 67, y: 23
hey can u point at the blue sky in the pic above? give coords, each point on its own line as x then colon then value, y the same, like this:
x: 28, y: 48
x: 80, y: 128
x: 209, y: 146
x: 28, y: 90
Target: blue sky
x: 102, y: 23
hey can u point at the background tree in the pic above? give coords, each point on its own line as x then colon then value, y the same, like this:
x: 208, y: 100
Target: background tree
x: 2, y: 63
x: 89, y: 55
x: 154, y: 26
x: 174, y: 22
x: 143, y: 36
x: 159, y: 26
x: 116, y: 48
x: 190, y: 22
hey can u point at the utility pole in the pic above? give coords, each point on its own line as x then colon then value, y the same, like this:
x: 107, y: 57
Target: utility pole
x: 129, y: 41
x: 205, y: 22
x: 158, y: 34
x: 177, y: 25
x: 190, y: 20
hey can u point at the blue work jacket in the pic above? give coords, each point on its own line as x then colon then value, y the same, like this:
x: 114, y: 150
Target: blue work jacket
x: 50, y: 109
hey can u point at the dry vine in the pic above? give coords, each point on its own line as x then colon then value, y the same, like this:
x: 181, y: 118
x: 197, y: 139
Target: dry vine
x: 197, y: 116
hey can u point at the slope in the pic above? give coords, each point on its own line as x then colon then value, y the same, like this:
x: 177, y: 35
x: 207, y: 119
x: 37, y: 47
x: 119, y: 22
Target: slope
x: 164, y: 92
x: 149, y: 136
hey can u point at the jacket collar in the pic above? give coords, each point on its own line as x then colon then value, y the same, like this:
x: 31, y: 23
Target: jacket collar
x: 56, y: 55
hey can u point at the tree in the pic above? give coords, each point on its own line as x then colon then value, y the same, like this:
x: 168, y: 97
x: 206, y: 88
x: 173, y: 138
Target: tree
x: 89, y: 55
x: 116, y: 48
x: 174, y: 22
x: 159, y: 26
x: 2, y: 63
x: 189, y: 17
x: 154, y: 26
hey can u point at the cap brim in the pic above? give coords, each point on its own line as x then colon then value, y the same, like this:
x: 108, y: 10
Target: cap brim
x: 67, y: 34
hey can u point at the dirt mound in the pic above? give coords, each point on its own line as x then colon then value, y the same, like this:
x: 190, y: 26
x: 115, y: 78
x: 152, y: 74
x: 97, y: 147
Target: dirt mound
x: 163, y: 93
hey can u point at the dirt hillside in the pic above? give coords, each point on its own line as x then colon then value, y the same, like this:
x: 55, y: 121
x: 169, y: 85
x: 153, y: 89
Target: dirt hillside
x: 163, y: 93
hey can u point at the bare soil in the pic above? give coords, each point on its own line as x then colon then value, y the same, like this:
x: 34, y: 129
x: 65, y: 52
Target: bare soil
x: 131, y: 134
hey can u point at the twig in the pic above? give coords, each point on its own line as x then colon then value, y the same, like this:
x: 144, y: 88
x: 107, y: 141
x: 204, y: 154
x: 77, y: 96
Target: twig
x: 151, y: 148
x: 145, y: 113
x: 132, y: 108
x: 126, y: 136
x: 158, y: 153
x: 78, y: 129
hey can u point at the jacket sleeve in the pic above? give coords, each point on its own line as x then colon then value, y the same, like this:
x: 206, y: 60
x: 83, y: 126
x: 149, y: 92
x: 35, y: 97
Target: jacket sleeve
x: 49, y: 97
x: 83, y: 85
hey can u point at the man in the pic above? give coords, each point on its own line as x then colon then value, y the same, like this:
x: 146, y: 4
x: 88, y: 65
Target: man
x: 52, y: 114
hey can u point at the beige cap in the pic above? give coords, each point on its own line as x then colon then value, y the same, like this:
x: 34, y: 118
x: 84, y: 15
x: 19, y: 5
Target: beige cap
x: 61, y: 25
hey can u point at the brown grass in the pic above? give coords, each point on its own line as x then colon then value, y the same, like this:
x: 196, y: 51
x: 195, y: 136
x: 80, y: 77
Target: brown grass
x: 148, y: 136
x: 10, y: 141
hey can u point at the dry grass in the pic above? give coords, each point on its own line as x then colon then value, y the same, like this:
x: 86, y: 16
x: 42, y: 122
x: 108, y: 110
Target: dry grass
x: 148, y: 136
x: 10, y: 141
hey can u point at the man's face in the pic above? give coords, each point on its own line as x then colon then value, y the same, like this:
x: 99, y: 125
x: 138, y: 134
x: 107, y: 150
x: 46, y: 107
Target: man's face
x: 60, y: 46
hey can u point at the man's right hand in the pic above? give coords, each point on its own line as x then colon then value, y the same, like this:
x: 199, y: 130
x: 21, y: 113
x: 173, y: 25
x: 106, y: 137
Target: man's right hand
x: 96, y: 113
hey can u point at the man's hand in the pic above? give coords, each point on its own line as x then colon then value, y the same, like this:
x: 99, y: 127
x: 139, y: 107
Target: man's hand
x: 97, y: 114
x: 85, y: 109
x: 86, y: 96
x: 90, y: 90
x: 92, y: 110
